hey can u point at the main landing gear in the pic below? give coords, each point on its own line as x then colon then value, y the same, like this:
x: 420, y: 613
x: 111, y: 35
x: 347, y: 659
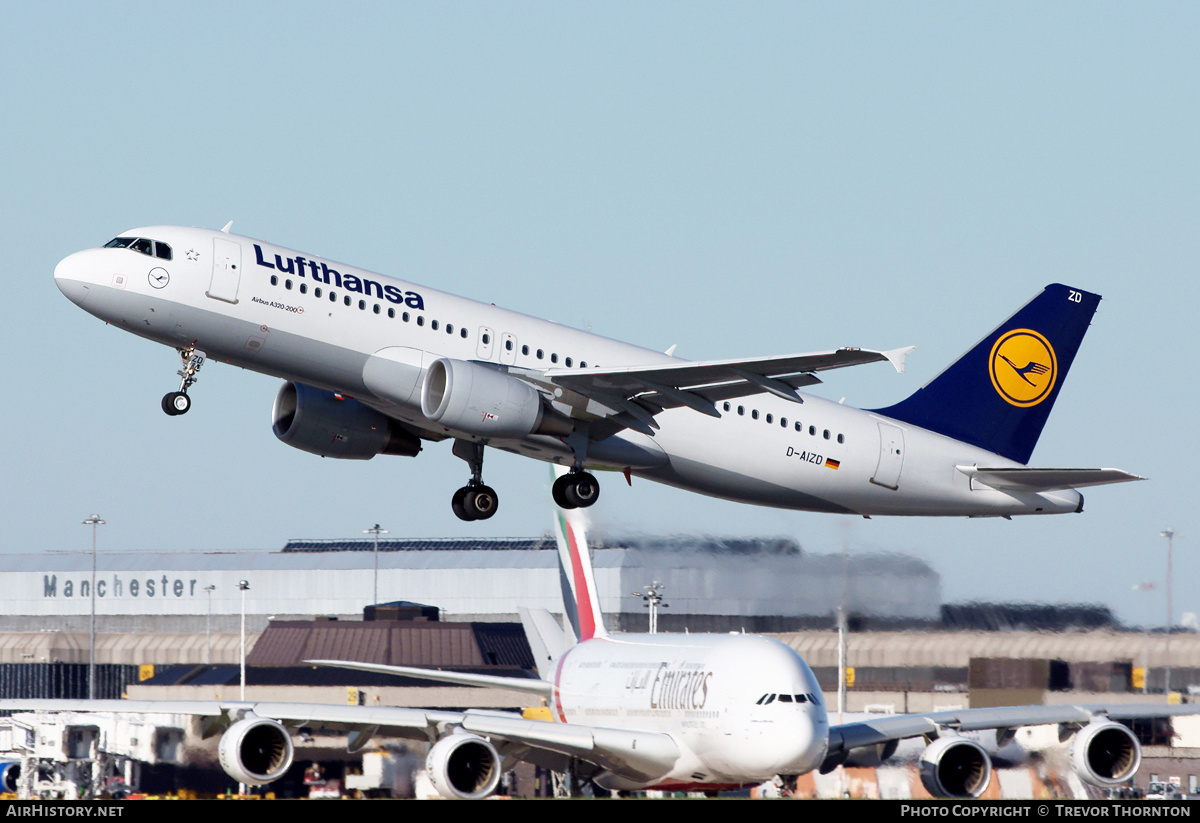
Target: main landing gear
x: 178, y: 402
x: 576, y: 490
x: 474, y: 501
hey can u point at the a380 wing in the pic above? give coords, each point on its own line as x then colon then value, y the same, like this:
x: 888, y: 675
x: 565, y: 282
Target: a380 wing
x: 847, y: 736
x: 632, y: 395
x: 630, y: 753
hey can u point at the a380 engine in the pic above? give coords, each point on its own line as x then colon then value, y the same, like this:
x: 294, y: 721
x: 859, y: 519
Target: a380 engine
x: 485, y: 402
x: 463, y: 766
x: 1103, y: 753
x: 255, y: 750
x: 954, y: 766
x: 320, y: 422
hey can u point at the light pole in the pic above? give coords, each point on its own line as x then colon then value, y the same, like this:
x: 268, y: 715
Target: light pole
x: 208, y: 590
x: 376, y: 531
x: 243, y: 586
x: 1145, y: 587
x: 93, y: 521
x: 1168, y: 533
x: 653, y: 599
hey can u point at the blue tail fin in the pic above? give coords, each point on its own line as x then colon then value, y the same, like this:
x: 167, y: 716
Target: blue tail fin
x: 998, y: 395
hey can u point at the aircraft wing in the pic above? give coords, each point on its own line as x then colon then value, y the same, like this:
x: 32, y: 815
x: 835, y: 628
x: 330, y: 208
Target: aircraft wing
x: 632, y: 395
x: 887, y: 728
x: 1023, y: 479
x: 629, y: 753
x: 519, y: 684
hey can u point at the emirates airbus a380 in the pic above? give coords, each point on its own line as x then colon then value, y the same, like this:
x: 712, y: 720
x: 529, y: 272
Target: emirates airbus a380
x: 376, y: 365
x: 695, y: 712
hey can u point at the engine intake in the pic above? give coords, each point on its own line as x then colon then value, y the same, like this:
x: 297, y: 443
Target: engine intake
x: 320, y: 422
x: 255, y: 750
x: 485, y: 402
x: 1105, y: 753
x: 10, y: 773
x: 463, y: 766
x: 955, y: 767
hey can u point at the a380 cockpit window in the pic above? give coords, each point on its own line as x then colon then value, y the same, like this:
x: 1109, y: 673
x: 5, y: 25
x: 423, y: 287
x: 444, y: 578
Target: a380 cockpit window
x: 786, y: 698
x: 150, y: 248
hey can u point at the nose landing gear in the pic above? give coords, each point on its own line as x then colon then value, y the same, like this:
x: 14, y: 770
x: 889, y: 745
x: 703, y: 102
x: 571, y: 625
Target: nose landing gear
x: 178, y: 402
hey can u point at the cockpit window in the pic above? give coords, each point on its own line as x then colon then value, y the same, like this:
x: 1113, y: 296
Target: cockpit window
x: 787, y: 698
x: 141, y: 244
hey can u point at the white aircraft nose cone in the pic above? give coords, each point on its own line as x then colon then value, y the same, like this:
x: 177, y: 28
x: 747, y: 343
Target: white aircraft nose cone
x: 70, y: 279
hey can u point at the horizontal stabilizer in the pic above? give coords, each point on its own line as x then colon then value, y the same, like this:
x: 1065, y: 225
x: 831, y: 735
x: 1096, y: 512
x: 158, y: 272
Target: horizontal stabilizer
x: 1044, y: 480
x: 518, y: 684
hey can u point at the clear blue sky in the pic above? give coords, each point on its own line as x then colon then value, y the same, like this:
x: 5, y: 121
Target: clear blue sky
x: 737, y: 179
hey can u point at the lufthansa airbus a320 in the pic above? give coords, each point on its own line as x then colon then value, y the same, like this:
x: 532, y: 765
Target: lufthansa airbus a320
x: 377, y: 365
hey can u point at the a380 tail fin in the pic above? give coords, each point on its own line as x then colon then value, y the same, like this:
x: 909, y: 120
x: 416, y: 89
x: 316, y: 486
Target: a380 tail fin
x: 580, y: 601
x: 998, y: 395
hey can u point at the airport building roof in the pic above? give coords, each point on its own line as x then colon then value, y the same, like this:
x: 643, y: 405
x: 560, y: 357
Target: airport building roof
x: 777, y: 585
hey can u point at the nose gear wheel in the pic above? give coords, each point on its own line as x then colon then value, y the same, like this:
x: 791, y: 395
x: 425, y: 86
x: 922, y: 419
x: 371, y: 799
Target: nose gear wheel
x: 178, y: 402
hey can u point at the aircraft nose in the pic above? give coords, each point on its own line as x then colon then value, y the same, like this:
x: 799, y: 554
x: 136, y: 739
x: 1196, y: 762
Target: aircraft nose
x: 71, y: 278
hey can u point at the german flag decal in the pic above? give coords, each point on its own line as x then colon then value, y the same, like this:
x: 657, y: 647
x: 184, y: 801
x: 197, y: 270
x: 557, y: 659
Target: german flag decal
x: 830, y: 463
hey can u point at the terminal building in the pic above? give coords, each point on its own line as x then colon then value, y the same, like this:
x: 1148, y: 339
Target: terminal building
x: 710, y: 584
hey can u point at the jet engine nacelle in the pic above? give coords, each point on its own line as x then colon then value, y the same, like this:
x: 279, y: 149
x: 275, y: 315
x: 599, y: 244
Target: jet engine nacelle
x: 255, y: 750
x: 1105, y: 753
x: 320, y: 422
x: 10, y: 772
x: 463, y: 766
x: 485, y: 402
x: 954, y: 766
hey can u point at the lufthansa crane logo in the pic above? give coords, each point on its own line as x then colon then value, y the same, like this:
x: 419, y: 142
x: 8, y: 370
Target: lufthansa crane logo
x: 1023, y: 367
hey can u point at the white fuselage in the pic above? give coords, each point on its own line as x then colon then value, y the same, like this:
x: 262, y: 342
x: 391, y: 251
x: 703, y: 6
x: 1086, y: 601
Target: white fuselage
x: 328, y: 325
x: 707, y: 692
